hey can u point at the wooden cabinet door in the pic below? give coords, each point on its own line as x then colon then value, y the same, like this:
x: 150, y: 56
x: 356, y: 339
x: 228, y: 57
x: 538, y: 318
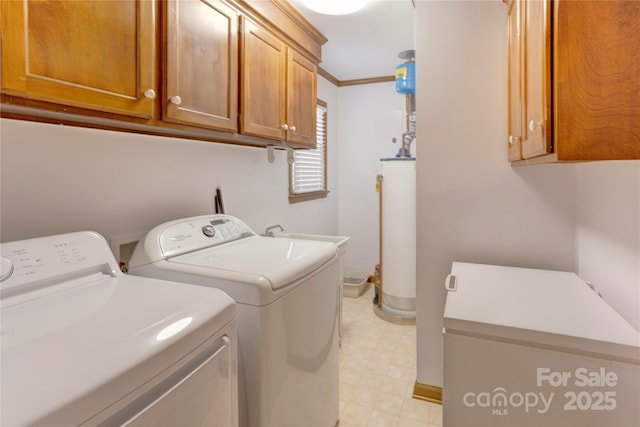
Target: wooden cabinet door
x: 514, y: 73
x: 262, y: 109
x: 91, y: 54
x: 597, y: 80
x: 201, y: 82
x: 536, y: 139
x: 301, y: 99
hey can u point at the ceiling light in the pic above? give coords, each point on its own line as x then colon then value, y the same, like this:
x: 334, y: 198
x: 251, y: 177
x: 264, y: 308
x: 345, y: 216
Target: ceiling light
x: 335, y: 7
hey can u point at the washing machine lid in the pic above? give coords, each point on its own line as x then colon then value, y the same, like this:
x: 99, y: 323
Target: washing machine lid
x: 280, y: 262
x: 77, y: 335
x: 546, y: 309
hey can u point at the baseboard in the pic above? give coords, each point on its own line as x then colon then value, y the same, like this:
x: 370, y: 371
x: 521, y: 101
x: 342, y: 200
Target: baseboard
x: 426, y: 392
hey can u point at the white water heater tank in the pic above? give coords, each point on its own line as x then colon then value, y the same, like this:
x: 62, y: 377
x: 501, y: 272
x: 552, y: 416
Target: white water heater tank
x: 398, y: 239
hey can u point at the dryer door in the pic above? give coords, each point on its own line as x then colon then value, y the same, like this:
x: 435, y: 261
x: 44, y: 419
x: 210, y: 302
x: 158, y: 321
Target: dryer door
x: 199, y: 394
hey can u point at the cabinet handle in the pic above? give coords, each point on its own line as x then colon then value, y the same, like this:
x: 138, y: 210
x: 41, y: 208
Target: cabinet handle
x: 513, y: 139
x: 285, y: 127
x: 292, y: 128
x: 176, y: 100
x: 150, y: 94
x: 534, y: 125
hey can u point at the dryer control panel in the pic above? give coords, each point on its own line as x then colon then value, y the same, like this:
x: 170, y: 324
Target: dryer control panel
x: 191, y: 234
x: 40, y: 262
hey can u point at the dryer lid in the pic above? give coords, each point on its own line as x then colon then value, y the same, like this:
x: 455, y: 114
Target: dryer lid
x: 279, y: 261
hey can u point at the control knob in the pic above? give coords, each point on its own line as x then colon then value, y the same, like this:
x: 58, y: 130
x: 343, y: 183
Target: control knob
x: 6, y: 269
x: 209, y: 230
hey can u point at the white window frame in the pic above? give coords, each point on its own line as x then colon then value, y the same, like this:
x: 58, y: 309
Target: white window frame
x: 312, y: 162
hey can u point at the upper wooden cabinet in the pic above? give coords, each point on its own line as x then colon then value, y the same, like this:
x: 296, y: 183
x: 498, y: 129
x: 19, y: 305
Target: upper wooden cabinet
x: 536, y: 132
x: 514, y: 72
x: 301, y: 99
x: 90, y: 54
x: 597, y: 79
x: 574, y: 80
x: 201, y: 78
x: 164, y: 67
x: 263, y: 82
x: 278, y: 90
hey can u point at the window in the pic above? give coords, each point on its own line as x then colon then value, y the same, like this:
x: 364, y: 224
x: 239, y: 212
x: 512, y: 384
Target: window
x: 308, y: 173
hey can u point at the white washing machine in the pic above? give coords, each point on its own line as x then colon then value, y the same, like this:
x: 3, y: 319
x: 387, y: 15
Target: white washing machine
x: 84, y: 344
x: 526, y: 347
x: 286, y: 295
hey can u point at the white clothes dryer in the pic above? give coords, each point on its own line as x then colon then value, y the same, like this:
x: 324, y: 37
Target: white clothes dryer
x: 84, y: 344
x: 286, y: 293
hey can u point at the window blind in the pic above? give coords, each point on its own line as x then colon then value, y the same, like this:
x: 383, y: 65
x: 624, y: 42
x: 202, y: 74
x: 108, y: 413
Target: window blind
x: 309, y: 168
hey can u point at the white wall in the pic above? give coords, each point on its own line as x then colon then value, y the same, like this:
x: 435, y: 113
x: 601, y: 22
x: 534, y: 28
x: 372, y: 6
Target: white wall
x: 57, y: 179
x: 471, y: 204
x: 370, y: 116
x: 609, y: 233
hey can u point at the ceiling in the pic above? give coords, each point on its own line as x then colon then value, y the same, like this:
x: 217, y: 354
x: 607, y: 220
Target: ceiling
x: 364, y: 44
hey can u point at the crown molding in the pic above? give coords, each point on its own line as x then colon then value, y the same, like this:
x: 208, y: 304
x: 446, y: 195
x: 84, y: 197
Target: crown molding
x: 328, y: 76
x: 354, y: 82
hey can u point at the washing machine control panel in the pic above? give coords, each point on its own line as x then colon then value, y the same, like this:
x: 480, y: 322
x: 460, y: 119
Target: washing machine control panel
x: 191, y: 234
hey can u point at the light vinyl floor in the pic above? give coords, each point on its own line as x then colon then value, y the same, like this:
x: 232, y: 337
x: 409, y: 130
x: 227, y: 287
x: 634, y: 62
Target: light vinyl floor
x: 378, y: 371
